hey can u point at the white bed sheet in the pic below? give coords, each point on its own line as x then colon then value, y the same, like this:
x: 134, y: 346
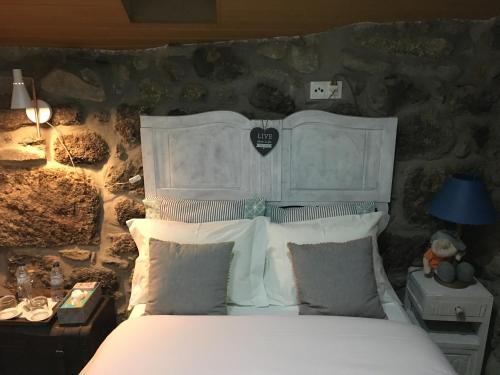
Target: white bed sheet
x: 274, y: 345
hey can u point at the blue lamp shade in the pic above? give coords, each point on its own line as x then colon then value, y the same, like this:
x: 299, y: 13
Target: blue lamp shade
x: 463, y: 199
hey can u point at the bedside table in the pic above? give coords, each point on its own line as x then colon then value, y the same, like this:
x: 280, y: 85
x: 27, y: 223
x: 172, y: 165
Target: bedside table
x: 457, y: 320
x: 54, y: 349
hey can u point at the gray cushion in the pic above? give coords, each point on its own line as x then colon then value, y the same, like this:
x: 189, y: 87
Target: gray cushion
x: 188, y: 279
x: 336, y: 279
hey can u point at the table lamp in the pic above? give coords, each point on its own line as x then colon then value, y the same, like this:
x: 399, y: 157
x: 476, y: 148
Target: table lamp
x: 463, y: 199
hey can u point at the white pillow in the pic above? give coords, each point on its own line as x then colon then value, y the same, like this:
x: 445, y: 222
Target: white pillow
x: 279, y: 278
x: 245, y: 285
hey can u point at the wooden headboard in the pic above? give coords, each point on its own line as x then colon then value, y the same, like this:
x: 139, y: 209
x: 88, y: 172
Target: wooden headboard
x: 320, y: 158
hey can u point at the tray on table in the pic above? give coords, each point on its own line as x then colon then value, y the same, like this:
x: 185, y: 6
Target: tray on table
x: 21, y: 319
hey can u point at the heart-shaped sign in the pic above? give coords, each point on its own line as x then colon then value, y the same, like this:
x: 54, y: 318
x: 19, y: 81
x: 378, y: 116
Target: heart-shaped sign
x: 264, y: 140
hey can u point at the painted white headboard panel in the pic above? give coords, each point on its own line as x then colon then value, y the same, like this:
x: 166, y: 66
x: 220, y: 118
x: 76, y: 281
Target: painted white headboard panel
x: 204, y: 156
x: 320, y: 157
x: 328, y: 157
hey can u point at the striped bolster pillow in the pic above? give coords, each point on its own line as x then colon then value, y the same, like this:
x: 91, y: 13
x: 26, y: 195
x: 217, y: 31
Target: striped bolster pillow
x: 287, y: 215
x: 194, y: 211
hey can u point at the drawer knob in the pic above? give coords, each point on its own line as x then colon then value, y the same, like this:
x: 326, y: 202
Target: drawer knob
x: 460, y: 313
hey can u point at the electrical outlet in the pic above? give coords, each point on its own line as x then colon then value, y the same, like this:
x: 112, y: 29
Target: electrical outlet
x: 321, y: 90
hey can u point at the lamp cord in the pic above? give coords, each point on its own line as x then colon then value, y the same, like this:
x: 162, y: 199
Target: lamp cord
x: 35, y: 102
x: 59, y: 138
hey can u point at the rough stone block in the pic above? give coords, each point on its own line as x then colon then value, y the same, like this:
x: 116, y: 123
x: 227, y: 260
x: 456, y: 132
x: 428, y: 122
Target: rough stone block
x: 115, y: 262
x: 128, y: 124
x: 426, y: 135
x: 225, y: 97
x: 415, y: 46
x: 64, y: 84
x: 107, y: 278
x: 175, y: 68
x: 119, y: 174
x: 444, y: 72
x: 278, y: 78
x: 47, y: 207
x: 275, y: 50
x: 102, y: 116
x: 66, y: 115
x: 385, y: 95
x: 123, y: 246
x: 366, y: 65
x: 217, y: 63
x: 304, y: 59
x: 11, y: 119
x: 151, y: 92
x: 126, y: 209
x: 121, y: 152
x: 193, y: 92
x: 85, y: 148
x: 121, y: 78
x: 420, y: 187
x: 272, y: 99
x: 75, y: 254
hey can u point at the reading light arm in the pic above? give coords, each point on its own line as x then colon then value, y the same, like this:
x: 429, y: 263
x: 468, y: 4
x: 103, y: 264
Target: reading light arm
x: 35, y: 102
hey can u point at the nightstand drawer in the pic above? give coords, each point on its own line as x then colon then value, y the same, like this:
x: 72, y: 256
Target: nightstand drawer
x: 437, y: 309
x: 435, y: 302
x: 456, y: 309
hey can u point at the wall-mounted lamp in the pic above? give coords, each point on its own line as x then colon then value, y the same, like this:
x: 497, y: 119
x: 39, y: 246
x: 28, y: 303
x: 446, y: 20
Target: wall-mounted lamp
x: 38, y: 111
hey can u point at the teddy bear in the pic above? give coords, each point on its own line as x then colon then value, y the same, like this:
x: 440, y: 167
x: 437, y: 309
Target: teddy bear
x: 441, y: 250
x: 444, y: 258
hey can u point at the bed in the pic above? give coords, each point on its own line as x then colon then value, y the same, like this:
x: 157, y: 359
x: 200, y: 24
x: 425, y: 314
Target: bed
x: 319, y: 159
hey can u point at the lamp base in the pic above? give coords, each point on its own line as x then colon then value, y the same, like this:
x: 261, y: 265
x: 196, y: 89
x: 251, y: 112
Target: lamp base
x: 44, y: 112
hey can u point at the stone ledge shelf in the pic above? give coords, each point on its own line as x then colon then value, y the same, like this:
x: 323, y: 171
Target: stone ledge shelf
x: 22, y: 156
x: 11, y: 119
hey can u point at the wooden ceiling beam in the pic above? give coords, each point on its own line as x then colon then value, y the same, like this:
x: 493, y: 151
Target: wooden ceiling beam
x: 104, y: 23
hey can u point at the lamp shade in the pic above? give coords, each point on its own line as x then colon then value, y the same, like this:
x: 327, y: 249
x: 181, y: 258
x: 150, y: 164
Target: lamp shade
x: 20, y: 97
x: 463, y: 199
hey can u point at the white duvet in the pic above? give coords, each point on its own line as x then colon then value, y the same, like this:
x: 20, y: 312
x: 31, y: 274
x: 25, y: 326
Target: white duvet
x: 258, y: 345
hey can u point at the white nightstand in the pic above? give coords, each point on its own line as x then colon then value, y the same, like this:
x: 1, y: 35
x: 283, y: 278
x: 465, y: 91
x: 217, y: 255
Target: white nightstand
x: 457, y: 320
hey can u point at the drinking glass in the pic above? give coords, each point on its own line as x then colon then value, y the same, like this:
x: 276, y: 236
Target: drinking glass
x: 8, y: 307
x: 39, y: 308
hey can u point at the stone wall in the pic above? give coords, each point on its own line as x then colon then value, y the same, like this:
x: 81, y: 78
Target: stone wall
x: 441, y: 79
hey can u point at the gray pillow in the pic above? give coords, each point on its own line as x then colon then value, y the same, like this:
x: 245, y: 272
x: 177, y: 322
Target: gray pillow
x: 188, y: 279
x: 336, y: 279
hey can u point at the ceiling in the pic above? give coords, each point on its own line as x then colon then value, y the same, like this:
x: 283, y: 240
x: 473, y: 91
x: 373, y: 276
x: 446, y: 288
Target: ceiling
x: 106, y: 24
